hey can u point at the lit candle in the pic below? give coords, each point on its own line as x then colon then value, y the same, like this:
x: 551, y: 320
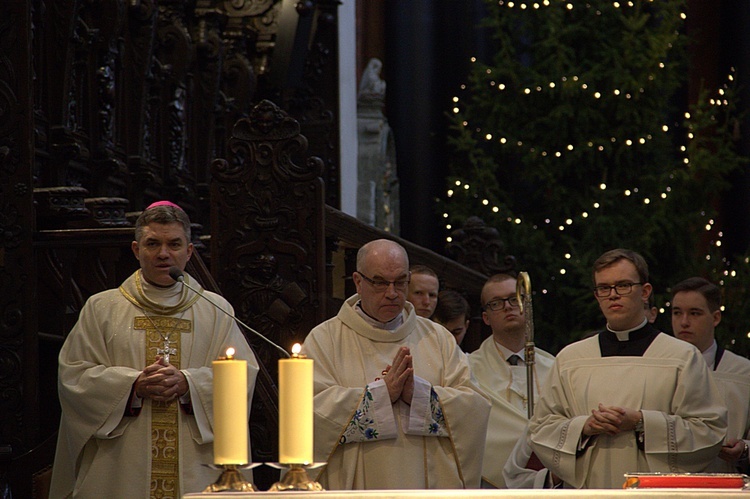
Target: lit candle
x: 230, y: 410
x: 296, y: 409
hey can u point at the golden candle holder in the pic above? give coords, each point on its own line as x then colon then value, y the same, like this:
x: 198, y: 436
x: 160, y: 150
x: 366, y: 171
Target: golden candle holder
x: 296, y: 478
x: 231, y: 479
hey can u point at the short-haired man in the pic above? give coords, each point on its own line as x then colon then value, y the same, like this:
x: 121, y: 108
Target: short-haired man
x: 630, y: 398
x: 499, y: 367
x: 136, y: 379
x: 396, y: 406
x: 424, y: 286
x: 696, y: 311
x: 453, y: 313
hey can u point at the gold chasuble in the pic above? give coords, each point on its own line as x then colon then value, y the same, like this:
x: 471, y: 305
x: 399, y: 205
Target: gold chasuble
x: 163, y: 337
x: 164, y: 428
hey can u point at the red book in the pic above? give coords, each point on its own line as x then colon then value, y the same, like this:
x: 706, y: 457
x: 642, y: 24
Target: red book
x: 685, y: 480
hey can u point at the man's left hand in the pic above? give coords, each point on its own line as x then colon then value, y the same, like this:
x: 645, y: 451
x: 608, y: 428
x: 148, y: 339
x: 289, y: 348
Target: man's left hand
x: 398, y: 375
x: 628, y: 417
x: 408, y: 392
x: 172, y: 385
x: 732, y: 449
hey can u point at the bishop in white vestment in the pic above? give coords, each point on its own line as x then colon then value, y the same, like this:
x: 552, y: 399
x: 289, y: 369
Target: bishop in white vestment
x: 135, y: 377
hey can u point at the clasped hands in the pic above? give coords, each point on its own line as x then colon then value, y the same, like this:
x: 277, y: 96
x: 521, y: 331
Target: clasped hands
x: 732, y: 449
x: 161, y: 382
x: 399, y: 377
x: 611, y: 420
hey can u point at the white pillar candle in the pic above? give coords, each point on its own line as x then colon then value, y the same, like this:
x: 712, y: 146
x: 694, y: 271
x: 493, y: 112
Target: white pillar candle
x: 296, y: 409
x: 230, y: 410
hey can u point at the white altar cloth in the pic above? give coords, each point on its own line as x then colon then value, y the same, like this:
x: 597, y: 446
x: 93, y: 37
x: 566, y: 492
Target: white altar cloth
x: 486, y: 494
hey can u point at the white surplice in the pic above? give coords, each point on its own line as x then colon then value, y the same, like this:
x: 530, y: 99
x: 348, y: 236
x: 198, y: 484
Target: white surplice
x: 506, y: 386
x: 101, y: 452
x: 684, y: 416
x: 369, y: 443
x: 515, y: 472
x: 732, y: 377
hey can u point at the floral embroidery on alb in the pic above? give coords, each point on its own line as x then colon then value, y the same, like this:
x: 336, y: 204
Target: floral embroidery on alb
x: 362, y: 426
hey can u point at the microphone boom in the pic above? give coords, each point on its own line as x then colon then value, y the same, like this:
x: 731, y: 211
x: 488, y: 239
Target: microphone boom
x: 178, y: 276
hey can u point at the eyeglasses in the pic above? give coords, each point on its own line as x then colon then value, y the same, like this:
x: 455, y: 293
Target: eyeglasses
x: 381, y: 285
x: 499, y: 303
x: 621, y: 288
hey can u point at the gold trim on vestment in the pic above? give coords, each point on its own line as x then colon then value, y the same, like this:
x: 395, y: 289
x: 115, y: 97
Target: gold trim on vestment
x: 144, y: 302
x: 165, y: 434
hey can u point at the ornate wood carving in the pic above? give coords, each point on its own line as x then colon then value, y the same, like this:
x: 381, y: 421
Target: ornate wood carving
x: 19, y: 406
x: 109, y: 105
x: 140, y: 97
x: 175, y: 53
x: 267, y: 220
x: 314, y: 98
x: 134, y: 99
x: 479, y: 247
x: 100, y: 86
x: 59, y: 206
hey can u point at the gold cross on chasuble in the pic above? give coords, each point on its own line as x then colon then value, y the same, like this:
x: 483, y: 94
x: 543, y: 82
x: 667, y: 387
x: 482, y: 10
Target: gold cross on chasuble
x: 164, y: 333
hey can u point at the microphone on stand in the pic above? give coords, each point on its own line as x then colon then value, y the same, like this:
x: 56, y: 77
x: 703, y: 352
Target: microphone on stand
x: 178, y: 276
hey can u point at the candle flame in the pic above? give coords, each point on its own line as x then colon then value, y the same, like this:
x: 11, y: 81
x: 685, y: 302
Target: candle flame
x: 296, y: 349
x: 230, y: 352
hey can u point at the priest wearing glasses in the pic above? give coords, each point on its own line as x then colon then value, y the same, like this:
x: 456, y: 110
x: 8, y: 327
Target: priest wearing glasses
x: 135, y: 377
x: 395, y: 403
x: 630, y: 398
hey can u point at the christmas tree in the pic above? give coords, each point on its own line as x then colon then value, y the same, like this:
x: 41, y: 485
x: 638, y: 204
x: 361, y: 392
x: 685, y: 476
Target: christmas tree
x: 575, y: 139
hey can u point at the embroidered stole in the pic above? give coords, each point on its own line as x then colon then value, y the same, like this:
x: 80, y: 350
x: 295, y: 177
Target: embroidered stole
x: 165, y: 455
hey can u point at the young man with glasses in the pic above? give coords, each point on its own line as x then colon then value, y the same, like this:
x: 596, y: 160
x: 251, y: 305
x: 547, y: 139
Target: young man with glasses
x: 499, y: 367
x: 392, y: 389
x: 630, y: 398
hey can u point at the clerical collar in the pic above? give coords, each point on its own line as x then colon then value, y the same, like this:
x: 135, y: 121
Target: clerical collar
x: 625, y: 335
x: 391, y: 325
x: 710, y: 355
x: 635, y: 345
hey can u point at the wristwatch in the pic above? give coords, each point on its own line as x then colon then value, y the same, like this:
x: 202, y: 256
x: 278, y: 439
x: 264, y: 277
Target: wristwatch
x: 639, y: 426
x: 638, y: 429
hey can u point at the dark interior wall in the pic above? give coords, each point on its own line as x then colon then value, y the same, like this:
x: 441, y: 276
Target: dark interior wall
x: 734, y: 48
x: 428, y: 44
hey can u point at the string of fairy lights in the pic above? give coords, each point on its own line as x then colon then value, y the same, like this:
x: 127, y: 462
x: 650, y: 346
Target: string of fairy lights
x: 587, y: 216
x: 634, y: 191
x: 568, y: 5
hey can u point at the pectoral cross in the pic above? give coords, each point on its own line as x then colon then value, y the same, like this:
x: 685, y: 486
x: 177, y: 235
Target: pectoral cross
x: 166, y: 350
x: 164, y: 336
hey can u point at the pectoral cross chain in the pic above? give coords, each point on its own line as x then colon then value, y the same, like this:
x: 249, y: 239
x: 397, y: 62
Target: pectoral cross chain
x: 169, y: 331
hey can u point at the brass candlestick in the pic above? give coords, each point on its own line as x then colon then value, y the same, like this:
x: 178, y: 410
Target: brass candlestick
x: 296, y: 478
x: 231, y: 479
